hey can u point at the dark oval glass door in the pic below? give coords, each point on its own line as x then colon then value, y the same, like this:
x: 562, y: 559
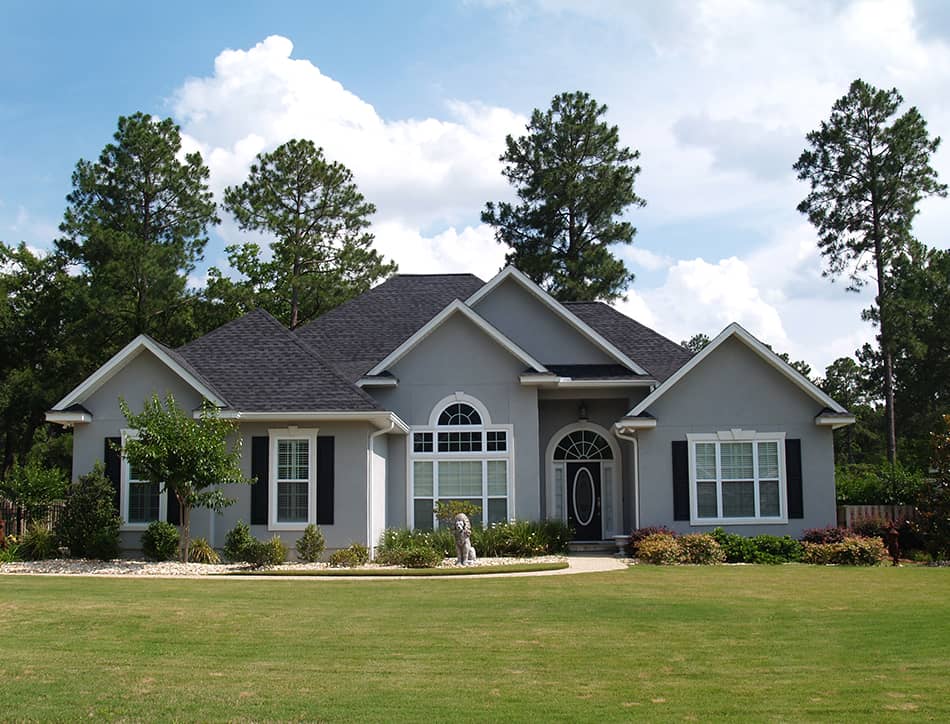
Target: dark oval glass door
x: 583, y: 500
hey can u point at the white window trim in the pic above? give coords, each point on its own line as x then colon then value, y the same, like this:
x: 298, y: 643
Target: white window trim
x: 291, y: 433
x: 737, y: 435
x: 124, y: 497
x: 483, y: 455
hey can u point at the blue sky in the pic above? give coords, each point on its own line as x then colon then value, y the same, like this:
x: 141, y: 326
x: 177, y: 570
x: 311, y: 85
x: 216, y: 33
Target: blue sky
x: 416, y: 98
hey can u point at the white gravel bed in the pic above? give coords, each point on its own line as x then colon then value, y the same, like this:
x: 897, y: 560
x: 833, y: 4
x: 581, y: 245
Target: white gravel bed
x: 122, y: 567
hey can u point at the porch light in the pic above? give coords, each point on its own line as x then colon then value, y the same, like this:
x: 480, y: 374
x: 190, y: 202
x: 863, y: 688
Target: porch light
x: 582, y: 411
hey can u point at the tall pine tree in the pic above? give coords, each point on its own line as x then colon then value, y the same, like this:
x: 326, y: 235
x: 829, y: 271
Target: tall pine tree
x: 574, y: 181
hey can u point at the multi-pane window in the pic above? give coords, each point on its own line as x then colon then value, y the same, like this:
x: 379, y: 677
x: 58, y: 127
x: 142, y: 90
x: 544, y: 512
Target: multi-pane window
x: 144, y: 497
x: 293, y: 480
x: 737, y: 480
x: 464, y: 459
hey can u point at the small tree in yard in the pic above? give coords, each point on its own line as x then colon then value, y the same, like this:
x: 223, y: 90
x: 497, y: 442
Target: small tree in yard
x: 932, y: 518
x: 189, y: 458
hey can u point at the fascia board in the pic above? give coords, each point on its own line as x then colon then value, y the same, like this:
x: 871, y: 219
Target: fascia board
x: 735, y: 330
x: 585, y: 329
x: 123, y: 357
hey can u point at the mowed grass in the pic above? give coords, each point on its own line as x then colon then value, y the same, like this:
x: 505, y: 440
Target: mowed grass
x: 784, y: 643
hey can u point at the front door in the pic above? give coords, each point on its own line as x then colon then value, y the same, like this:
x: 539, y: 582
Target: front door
x: 583, y: 500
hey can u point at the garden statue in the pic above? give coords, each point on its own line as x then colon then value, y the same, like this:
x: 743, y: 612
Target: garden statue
x: 463, y: 540
x: 892, y: 537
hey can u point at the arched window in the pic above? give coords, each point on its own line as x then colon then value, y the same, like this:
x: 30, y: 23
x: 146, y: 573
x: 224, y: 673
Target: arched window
x: 583, y: 445
x: 461, y: 456
x: 460, y: 413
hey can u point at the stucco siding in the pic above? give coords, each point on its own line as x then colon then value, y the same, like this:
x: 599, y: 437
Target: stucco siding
x: 459, y: 357
x: 733, y: 388
x: 540, y: 331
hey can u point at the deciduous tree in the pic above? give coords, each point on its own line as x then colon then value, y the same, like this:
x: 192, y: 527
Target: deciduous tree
x: 187, y: 457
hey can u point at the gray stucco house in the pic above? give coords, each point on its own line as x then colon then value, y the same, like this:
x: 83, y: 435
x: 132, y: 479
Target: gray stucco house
x: 433, y: 387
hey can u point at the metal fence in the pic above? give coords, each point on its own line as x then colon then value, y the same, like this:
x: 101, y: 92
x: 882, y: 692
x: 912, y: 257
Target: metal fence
x: 14, y: 522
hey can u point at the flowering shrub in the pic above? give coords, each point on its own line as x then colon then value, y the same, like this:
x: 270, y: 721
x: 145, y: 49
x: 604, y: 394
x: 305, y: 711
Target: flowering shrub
x: 852, y: 551
x: 829, y: 534
x: 640, y: 533
x: 701, y: 549
x: 661, y: 549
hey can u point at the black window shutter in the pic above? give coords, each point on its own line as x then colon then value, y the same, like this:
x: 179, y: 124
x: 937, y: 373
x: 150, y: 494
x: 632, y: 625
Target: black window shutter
x: 680, y: 480
x: 325, y: 468
x: 793, y: 478
x: 113, y: 462
x: 174, y: 510
x: 260, y: 448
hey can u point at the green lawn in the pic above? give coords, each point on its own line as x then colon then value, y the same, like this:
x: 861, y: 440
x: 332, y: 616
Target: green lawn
x: 787, y: 643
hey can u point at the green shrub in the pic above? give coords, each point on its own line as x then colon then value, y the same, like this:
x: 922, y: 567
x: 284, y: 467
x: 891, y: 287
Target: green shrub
x: 237, y: 543
x: 413, y: 556
x: 852, y: 551
x: 201, y: 551
x: 775, y: 549
x: 770, y: 549
x: 271, y: 552
x: 89, y: 524
x: 521, y: 538
x: 737, y: 548
x: 701, y: 549
x: 38, y: 544
x: 353, y: 555
x: 661, y: 549
x: 160, y: 541
x: 311, y: 544
x: 10, y: 553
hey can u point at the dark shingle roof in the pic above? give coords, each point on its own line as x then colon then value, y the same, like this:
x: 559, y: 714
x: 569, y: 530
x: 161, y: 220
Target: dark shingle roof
x: 655, y: 353
x: 357, y: 335
x: 594, y: 372
x: 257, y: 365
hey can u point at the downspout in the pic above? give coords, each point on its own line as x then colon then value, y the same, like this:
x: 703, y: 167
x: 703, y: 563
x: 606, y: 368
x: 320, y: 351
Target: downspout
x: 636, y: 473
x: 370, y: 543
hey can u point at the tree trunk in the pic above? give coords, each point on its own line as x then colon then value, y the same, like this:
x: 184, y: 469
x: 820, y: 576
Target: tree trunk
x: 891, y: 428
x: 185, y: 530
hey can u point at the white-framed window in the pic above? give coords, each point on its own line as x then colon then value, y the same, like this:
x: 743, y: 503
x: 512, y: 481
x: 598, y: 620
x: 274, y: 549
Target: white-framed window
x: 737, y: 477
x: 142, y: 502
x: 460, y: 455
x: 292, y: 503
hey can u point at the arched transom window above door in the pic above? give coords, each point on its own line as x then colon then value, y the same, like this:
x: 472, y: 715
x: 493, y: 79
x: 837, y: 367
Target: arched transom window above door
x: 583, y: 445
x: 461, y: 455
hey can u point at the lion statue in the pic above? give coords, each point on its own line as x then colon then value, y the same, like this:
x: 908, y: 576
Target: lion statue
x: 463, y: 540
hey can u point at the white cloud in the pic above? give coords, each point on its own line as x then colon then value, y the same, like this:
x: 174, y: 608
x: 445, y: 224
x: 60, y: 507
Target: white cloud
x: 418, y: 172
x: 645, y: 258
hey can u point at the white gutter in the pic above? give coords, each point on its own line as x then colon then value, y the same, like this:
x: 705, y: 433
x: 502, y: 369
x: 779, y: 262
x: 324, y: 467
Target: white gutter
x: 636, y: 474
x: 370, y: 543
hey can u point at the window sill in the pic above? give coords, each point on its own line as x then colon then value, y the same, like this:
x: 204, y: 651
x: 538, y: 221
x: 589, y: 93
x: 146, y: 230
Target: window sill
x: 278, y: 527
x: 706, y: 522
x: 137, y: 527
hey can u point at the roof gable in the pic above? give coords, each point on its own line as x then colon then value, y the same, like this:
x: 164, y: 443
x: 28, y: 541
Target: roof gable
x: 170, y: 358
x: 556, y: 307
x: 358, y: 334
x: 735, y: 331
x: 455, y: 307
